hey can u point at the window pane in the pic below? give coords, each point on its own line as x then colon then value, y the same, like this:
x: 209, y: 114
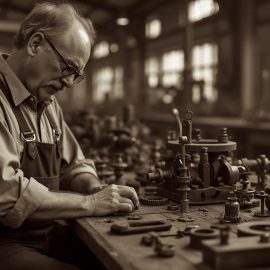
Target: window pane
x: 170, y: 79
x: 108, y: 81
x: 118, y: 83
x: 196, y: 94
x: 151, y: 65
x: 173, y: 61
x: 153, y: 28
x: 101, y: 49
x: 204, y: 63
x: 199, y: 9
x: 153, y: 80
x: 197, y: 74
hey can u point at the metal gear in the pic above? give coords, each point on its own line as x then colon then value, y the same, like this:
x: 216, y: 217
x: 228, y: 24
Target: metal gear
x: 153, y: 200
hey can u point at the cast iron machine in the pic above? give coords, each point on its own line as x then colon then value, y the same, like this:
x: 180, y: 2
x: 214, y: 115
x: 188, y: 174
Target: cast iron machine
x: 207, y: 181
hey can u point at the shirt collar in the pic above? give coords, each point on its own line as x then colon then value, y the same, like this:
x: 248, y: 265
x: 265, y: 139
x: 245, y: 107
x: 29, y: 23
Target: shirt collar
x: 18, y: 91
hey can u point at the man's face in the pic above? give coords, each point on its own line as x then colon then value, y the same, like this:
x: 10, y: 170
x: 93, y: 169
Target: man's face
x: 49, y: 69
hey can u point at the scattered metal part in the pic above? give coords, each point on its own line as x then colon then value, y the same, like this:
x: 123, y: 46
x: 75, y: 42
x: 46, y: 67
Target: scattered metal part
x: 140, y: 226
x: 189, y: 228
x: 134, y: 217
x: 249, y: 252
x: 198, y: 235
x: 147, y: 240
x: 253, y: 228
x: 262, y: 196
x: 165, y: 250
x: 161, y: 248
x: 108, y: 220
x: 203, y: 210
x: 232, y: 210
x: 173, y: 207
x: 178, y: 234
x: 170, y: 219
x: 185, y: 219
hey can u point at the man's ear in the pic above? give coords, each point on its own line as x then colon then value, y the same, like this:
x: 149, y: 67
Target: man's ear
x: 34, y: 43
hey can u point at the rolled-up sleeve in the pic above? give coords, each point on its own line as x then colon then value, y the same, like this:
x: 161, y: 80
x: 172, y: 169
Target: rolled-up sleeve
x: 73, y: 159
x: 19, y: 196
x: 26, y: 204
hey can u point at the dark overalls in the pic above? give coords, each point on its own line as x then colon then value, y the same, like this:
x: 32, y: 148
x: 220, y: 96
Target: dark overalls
x: 30, y: 246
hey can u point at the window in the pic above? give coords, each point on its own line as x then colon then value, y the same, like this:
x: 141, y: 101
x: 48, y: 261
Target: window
x: 153, y: 28
x: 118, y: 89
x: 108, y: 84
x: 204, y: 69
x: 199, y: 9
x: 101, y: 49
x: 172, y: 68
x: 151, y: 70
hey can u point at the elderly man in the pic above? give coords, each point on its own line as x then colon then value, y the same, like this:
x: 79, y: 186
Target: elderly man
x: 39, y: 156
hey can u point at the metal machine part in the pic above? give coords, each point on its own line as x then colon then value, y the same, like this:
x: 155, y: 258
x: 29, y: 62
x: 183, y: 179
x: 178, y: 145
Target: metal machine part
x: 232, y: 210
x: 250, y: 252
x: 206, y: 182
x: 263, y: 213
x: 267, y: 202
x: 153, y: 200
x: 253, y: 228
x: 141, y: 226
x: 260, y: 165
x: 162, y: 248
x: 200, y: 196
x: 148, y: 239
x: 198, y: 235
x: 212, y: 145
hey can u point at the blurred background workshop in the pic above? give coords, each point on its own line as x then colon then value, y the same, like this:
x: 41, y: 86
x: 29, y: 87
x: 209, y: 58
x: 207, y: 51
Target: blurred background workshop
x: 175, y: 103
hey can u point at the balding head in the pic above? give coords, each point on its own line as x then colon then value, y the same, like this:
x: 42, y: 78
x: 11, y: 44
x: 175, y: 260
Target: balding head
x: 53, y: 20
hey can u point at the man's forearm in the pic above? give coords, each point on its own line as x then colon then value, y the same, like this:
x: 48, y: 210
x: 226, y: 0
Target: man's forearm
x: 64, y: 205
x: 84, y: 183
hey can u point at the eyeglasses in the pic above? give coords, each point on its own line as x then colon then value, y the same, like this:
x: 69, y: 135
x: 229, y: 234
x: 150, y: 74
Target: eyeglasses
x: 69, y: 69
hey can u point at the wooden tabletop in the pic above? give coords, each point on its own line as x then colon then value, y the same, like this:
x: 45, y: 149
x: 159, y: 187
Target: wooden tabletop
x: 126, y: 252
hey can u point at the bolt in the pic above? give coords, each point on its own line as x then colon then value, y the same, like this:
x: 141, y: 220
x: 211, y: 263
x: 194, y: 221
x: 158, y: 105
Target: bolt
x: 223, y: 137
x: 262, y: 196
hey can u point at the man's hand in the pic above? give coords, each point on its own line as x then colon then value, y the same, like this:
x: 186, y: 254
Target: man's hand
x: 113, y: 199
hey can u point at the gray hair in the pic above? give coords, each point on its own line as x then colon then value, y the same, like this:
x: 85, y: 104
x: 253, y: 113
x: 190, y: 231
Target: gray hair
x: 52, y: 19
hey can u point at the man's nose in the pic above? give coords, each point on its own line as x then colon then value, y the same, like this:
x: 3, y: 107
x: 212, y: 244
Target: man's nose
x: 68, y: 80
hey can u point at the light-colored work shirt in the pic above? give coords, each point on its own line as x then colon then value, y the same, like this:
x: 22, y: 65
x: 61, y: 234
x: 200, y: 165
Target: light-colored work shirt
x: 21, y: 196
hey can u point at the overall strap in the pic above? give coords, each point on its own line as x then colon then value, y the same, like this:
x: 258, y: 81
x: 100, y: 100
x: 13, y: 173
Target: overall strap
x: 56, y: 133
x: 27, y: 134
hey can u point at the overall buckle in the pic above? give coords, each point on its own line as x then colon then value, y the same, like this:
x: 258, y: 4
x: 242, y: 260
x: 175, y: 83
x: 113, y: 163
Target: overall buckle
x: 28, y: 136
x: 56, y: 135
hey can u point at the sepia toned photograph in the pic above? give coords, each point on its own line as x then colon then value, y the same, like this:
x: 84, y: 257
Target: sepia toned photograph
x: 134, y: 134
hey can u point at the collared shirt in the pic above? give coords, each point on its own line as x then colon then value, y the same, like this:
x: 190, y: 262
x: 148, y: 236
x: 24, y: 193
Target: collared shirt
x: 21, y: 196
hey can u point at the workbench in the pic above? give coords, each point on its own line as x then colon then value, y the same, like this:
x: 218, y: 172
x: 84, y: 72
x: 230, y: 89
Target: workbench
x: 126, y: 252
